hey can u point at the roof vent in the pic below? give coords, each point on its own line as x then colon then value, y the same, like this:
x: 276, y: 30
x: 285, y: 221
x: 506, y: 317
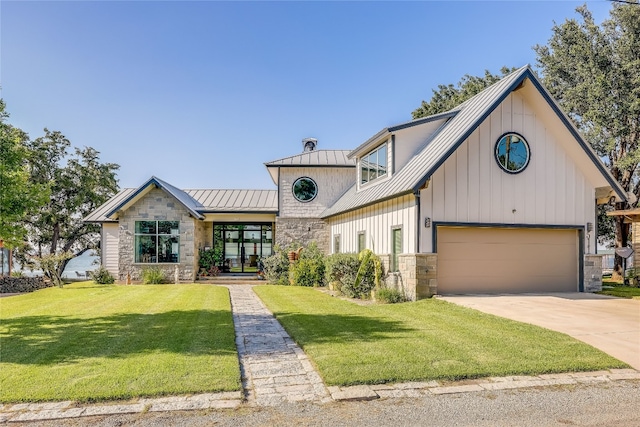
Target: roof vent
x: 309, y: 144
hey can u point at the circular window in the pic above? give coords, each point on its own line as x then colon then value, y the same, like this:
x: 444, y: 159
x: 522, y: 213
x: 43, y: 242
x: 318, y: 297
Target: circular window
x: 305, y: 189
x: 512, y: 152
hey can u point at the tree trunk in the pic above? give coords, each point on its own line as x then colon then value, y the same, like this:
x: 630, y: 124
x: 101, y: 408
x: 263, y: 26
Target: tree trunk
x: 622, y: 233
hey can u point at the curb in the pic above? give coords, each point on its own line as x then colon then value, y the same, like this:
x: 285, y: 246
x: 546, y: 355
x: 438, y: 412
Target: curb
x: 20, y: 412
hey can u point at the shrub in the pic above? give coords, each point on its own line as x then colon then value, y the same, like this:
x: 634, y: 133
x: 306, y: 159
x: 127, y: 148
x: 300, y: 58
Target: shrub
x: 17, y: 273
x: 341, y: 270
x: 153, y: 276
x: 308, y: 272
x: 102, y: 276
x: 389, y: 296
x: 209, y: 258
x: 276, y: 267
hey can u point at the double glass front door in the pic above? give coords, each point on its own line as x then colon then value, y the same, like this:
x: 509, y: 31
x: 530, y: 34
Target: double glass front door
x: 242, y: 245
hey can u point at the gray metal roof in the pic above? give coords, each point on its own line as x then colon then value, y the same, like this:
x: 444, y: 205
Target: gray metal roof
x: 198, y: 202
x: 466, y: 119
x: 99, y: 215
x: 236, y: 200
x: 335, y: 158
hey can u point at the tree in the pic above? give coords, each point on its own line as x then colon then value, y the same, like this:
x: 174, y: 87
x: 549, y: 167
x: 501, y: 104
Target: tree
x: 78, y: 183
x: 594, y: 73
x: 17, y: 194
x: 449, y: 96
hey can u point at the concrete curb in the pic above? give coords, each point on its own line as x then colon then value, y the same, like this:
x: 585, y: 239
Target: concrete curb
x: 21, y: 412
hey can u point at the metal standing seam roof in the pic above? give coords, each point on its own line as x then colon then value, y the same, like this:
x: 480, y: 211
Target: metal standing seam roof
x: 208, y: 200
x: 316, y: 158
x: 464, y: 120
x: 236, y: 200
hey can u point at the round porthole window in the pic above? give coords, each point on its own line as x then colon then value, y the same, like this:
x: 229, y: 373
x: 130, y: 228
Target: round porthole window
x: 512, y: 152
x: 305, y: 189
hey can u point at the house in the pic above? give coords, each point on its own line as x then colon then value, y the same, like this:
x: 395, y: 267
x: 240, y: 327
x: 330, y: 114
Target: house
x: 497, y: 195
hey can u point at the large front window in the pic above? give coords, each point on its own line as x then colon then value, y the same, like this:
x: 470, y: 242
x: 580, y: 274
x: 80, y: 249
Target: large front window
x: 157, y: 241
x: 374, y: 164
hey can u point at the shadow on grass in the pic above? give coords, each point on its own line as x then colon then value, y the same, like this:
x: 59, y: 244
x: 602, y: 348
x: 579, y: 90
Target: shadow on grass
x: 44, y: 340
x: 336, y: 328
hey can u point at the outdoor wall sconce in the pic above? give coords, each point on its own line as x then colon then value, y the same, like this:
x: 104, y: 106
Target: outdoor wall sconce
x: 427, y: 222
x: 589, y: 227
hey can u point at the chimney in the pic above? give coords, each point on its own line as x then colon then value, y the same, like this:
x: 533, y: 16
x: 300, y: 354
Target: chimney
x: 309, y: 144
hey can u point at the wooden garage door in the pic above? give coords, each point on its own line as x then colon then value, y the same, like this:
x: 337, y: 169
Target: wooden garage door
x: 506, y: 260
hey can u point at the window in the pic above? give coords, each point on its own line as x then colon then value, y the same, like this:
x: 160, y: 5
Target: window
x: 361, y: 242
x: 374, y: 164
x: 157, y: 241
x: 305, y: 189
x: 336, y: 244
x: 512, y: 152
x: 396, y: 247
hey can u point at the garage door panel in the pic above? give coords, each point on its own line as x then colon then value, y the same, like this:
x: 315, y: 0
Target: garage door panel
x: 507, y: 260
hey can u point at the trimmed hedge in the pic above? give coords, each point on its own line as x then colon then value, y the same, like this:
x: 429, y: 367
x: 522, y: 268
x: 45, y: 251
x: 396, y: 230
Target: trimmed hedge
x: 10, y: 285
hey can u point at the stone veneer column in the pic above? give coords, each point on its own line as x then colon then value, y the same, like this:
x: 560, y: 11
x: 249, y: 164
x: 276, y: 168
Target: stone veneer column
x: 416, y: 275
x: 303, y: 231
x: 592, y: 272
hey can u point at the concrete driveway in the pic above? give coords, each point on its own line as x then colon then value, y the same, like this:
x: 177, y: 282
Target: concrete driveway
x: 607, y: 323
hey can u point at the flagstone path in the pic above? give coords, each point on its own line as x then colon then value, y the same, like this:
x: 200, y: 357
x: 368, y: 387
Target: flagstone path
x: 274, y: 369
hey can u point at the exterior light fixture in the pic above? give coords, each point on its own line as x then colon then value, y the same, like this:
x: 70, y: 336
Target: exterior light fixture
x: 427, y: 222
x: 589, y: 227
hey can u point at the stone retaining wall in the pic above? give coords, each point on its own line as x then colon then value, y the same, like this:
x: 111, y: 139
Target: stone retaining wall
x: 416, y: 275
x: 9, y: 285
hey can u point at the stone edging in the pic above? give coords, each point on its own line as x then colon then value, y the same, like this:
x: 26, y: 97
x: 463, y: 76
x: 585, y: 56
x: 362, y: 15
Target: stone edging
x: 20, y: 412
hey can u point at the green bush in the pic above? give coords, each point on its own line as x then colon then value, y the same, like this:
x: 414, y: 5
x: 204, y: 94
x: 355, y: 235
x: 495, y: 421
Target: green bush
x: 389, y: 296
x: 341, y: 270
x: 102, y: 276
x: 209, y: 258
x: 308, y: 272
x: 153, y: 276
x: 276, y: 267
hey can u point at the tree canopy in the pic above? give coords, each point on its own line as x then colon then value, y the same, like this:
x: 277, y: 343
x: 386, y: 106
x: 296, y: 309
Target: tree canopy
x: 18, y: 195
x: 449, y: 96
x: 45, y: 192
x: 594, y: 73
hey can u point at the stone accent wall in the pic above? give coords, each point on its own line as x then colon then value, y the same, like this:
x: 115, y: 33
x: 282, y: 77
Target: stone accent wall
x: 592, y: 272
x: 158, y: 205
x: 416, y: 275
x: 332, y: 183
x: 9, y: 285
x: 303, y: 230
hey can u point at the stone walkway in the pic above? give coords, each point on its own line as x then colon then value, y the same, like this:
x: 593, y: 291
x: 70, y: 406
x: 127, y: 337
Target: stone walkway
x: 273, y: 367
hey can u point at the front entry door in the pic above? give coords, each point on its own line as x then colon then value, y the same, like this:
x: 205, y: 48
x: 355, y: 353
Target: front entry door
x: 243, y: 246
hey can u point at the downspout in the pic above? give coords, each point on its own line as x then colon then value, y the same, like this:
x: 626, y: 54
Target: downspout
x: 417, y: 196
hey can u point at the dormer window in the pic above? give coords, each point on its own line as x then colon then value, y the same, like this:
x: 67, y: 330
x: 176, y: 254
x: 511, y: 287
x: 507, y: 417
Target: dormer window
x: 373, y: 165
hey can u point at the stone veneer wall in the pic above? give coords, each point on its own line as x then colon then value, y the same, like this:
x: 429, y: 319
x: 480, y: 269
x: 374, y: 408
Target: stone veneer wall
x: 304, y: 231
x: 416, y: 275
x: 592, y: 272
x: 158, y: 205
x: 10, y: 285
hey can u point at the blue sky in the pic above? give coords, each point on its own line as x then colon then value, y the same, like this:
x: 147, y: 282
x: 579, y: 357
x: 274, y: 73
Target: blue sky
x: 201, y: 94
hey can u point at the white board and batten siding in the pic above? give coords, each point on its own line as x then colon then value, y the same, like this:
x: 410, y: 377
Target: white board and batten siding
x: 377, y: 221
x: 470, y: 187
x: 109, y: 247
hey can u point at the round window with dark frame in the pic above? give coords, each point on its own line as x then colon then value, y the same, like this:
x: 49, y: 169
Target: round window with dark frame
x: 305, y: 189
x: 512, y: 152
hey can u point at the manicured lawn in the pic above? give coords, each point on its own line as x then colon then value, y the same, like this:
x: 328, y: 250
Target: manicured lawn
x: 95, y: 342
x: 424, y: 340
x: 621, y: 291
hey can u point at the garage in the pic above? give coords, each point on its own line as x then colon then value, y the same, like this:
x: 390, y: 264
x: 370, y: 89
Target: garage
x: 474, y: 260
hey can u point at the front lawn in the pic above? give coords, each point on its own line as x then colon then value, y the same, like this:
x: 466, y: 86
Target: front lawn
x: 94, y: 342
x: 424, y: 340
x: 621, y: 291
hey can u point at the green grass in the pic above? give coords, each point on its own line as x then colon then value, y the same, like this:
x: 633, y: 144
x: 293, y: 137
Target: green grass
x: 424, y: 340
x: 621, y: 291
x: 89, y: 342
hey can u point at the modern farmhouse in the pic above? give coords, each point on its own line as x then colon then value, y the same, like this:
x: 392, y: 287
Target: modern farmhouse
x: 496, y: 195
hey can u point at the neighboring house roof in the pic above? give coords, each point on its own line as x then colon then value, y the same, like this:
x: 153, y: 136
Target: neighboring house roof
x: 333, y: 158
x: 197, y: 202
x: 464, y: 120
